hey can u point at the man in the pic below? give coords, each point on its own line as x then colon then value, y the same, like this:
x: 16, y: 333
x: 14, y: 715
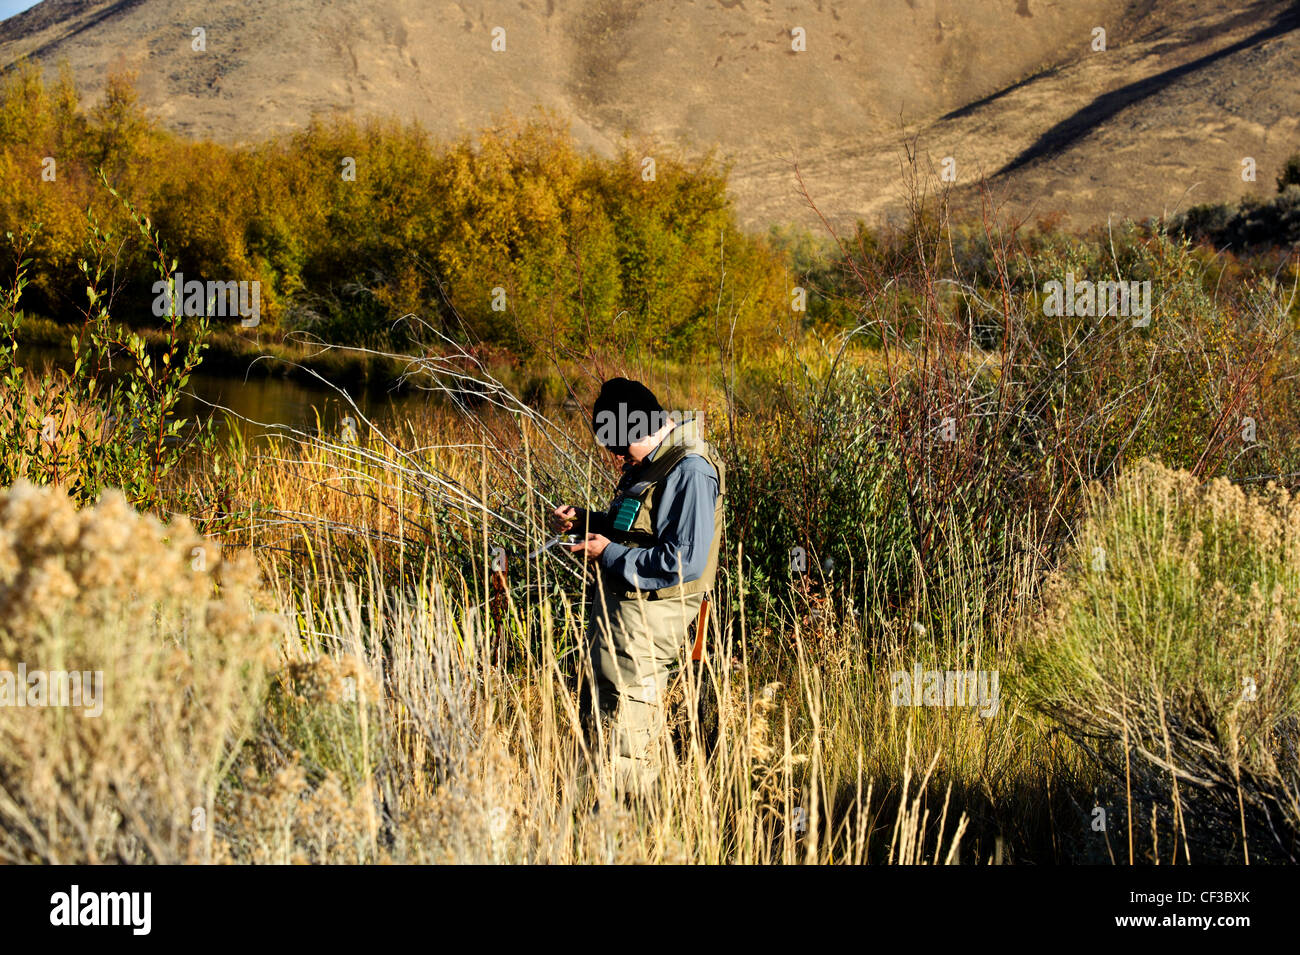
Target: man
x: 655, y: 556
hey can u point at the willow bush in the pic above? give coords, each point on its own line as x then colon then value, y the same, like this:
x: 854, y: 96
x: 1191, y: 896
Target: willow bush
x: 348, y: 224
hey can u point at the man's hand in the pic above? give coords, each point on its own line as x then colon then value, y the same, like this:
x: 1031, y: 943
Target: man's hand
x: 563, y: 517
x: 593, y: 546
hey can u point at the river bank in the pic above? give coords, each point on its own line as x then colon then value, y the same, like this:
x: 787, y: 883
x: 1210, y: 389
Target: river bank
x: 252, y: 356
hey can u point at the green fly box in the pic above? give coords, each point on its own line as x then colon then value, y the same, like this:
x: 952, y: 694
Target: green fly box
x: 625, y: 513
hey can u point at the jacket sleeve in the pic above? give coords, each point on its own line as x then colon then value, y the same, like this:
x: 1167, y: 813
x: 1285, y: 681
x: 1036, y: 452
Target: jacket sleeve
x: 683, y: 527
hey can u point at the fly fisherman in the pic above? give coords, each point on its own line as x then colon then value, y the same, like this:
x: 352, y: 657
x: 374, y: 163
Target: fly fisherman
x: 654, y: 553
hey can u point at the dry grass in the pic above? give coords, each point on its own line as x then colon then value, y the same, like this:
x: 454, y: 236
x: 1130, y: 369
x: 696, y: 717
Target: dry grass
x: 417, y: 722
x: 470, y: 750
x: 411, y: 711
x: 461, y: 759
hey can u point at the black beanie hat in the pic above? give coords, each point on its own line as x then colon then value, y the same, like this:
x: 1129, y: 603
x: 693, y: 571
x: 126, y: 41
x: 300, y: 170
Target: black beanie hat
x: 622, y: 397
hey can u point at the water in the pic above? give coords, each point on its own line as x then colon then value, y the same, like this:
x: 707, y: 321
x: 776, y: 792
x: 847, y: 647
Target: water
x: 268, y: 402
x: 261, y: 403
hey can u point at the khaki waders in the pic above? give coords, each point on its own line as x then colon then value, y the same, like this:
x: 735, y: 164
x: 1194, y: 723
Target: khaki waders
x: 636, y: 639
x: 635, y: 646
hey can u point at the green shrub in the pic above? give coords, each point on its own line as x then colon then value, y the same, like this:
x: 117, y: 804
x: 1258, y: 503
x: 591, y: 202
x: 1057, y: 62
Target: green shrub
x: 349, y: 225
x: 1290, y: 173
x: 1169, y: 646
x: 110, y: 420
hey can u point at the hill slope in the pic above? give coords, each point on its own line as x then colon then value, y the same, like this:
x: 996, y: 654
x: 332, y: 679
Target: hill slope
x: 1007, y: 87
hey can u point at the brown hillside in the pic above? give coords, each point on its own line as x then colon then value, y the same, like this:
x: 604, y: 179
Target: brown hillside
x: 1007, y: 87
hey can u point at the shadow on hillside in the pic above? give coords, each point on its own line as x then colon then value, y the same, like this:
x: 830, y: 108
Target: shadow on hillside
x: 1057, y: 138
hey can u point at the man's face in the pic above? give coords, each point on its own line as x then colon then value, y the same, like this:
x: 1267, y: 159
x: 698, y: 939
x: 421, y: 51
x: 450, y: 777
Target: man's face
x: 636, y: 451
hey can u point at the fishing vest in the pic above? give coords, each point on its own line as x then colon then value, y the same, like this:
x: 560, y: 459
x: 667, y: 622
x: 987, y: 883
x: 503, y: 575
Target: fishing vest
x: 638, y: 497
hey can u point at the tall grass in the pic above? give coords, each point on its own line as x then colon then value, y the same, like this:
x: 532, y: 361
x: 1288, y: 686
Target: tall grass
x: 796, y: 753
x: 898, y: 496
